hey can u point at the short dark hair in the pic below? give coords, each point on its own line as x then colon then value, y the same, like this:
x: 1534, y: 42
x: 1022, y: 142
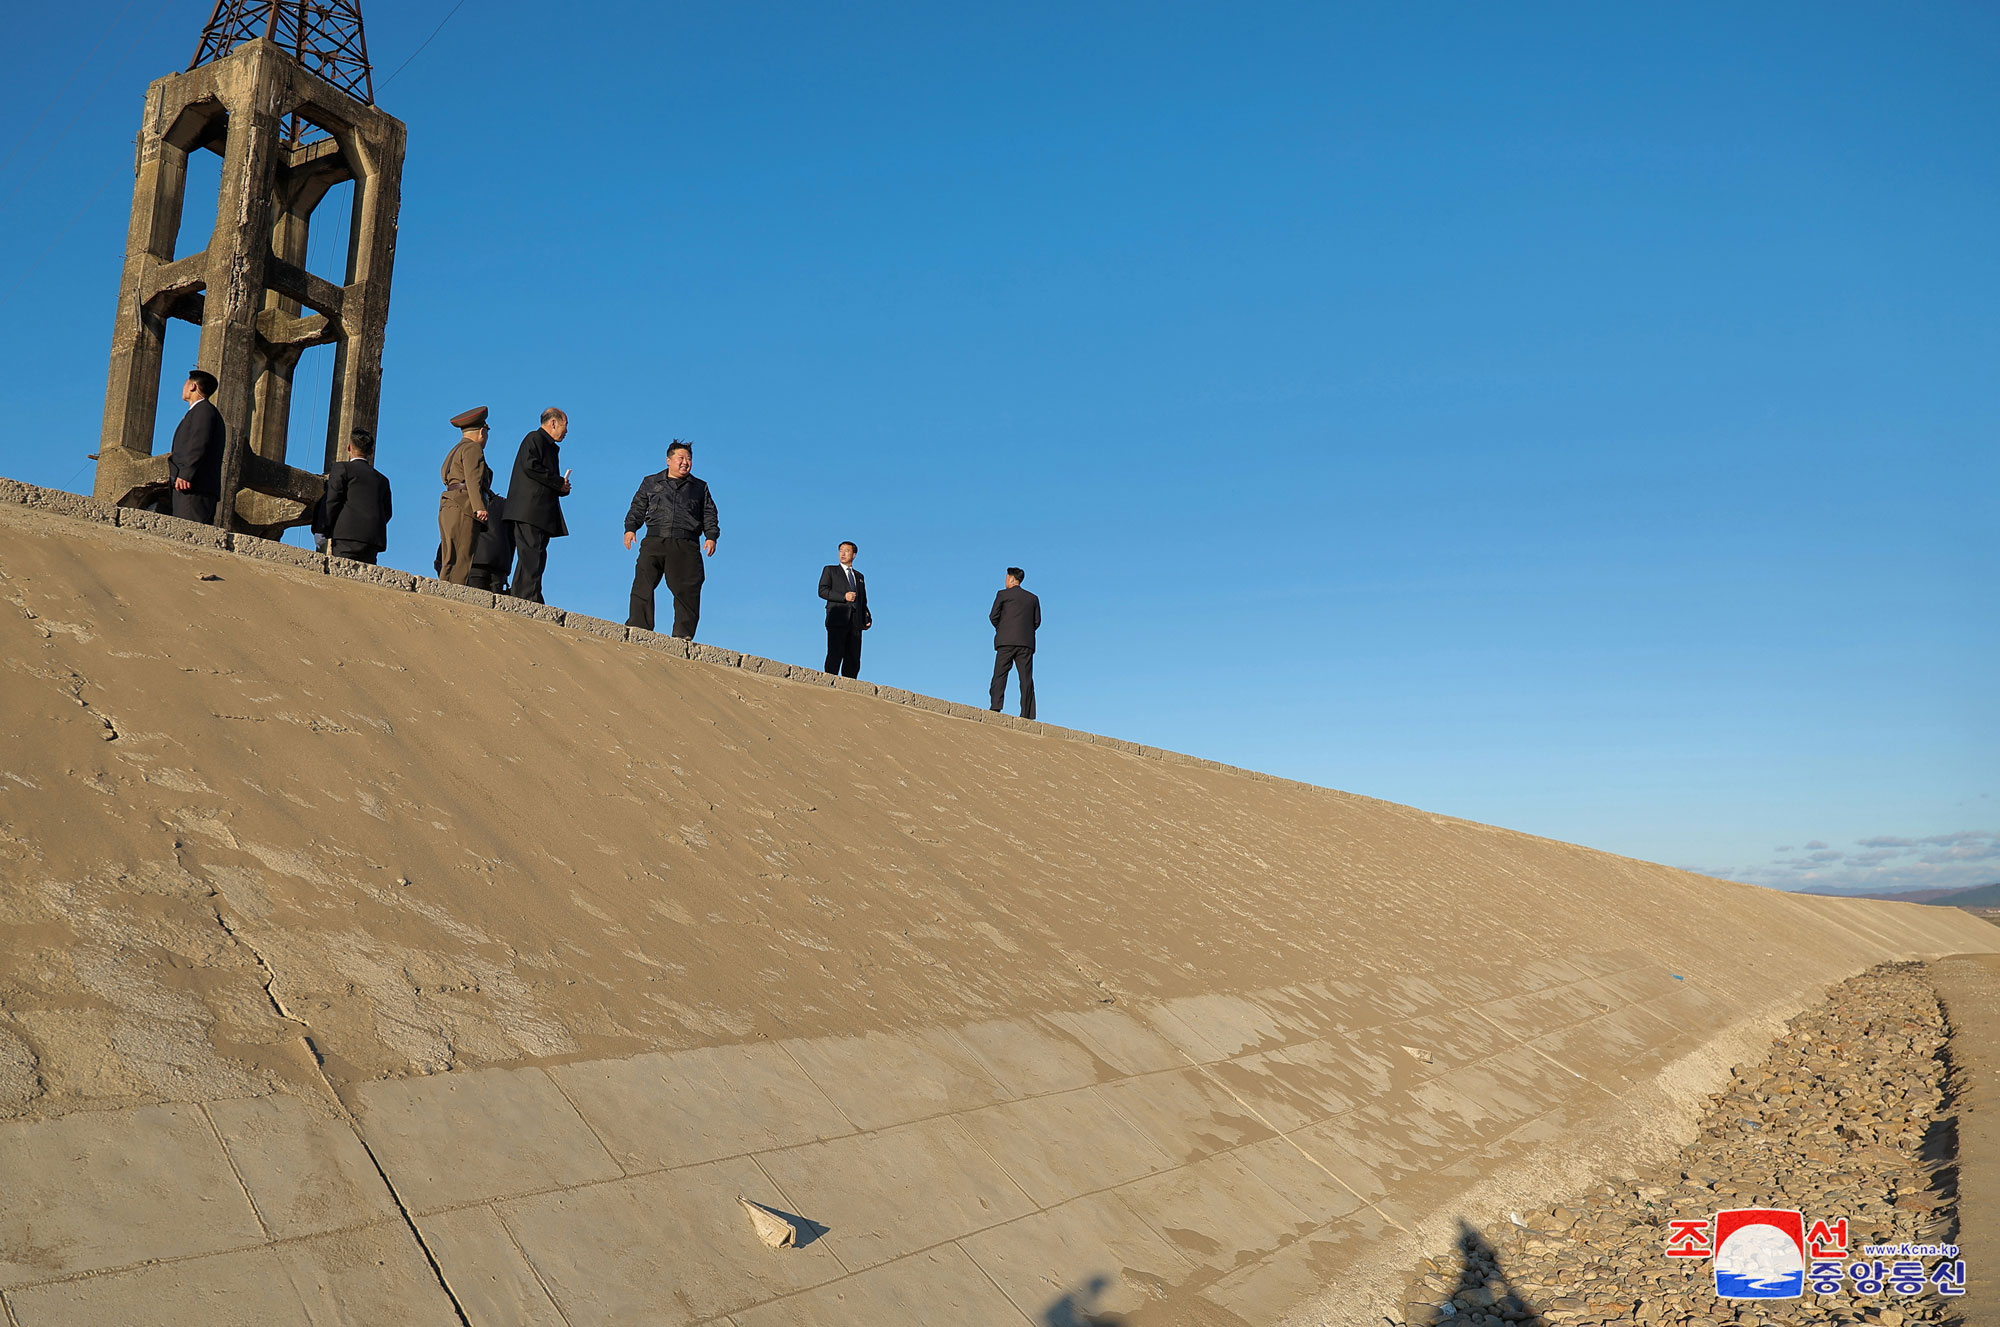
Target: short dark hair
x: 361, y: 440
x: 1020, y: 577
x: 849, y: 543
x: 553, y: 413
x: 203, y: 380
x: 678, y: 446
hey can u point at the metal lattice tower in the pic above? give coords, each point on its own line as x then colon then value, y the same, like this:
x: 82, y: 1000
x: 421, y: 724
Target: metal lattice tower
x: 324, y: 36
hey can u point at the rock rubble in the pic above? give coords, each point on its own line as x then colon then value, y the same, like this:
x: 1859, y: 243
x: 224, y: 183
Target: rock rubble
x: 1849, y: 1116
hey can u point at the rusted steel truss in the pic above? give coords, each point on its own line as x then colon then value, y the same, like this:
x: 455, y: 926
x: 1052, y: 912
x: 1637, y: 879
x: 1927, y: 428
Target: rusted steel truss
x: 324, y: 36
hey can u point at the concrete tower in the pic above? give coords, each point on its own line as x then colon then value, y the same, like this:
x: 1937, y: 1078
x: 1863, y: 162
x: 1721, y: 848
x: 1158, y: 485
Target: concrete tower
x: 283, y: 92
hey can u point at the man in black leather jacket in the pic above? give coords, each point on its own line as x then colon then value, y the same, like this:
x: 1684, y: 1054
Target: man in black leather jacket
x: 678, y: 513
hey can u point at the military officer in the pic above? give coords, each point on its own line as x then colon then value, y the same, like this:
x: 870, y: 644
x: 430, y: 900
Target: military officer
x: 468, y: 489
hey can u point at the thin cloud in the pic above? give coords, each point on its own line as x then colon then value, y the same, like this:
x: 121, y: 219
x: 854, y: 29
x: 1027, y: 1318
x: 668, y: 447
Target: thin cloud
x: 1891, y: 864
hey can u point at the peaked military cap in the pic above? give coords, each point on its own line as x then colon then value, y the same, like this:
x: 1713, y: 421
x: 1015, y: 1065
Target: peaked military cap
x: 474, y: 418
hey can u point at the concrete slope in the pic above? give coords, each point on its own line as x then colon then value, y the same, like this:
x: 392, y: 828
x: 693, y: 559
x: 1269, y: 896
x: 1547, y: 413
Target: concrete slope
x: 370, y: 955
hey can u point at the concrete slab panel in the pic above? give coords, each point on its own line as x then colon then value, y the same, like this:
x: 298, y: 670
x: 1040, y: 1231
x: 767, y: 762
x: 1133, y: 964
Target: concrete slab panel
x: 1120, y: 1040
x: 364, y: 1278
x: 435, y: 1136
x: 103, y: 1189
x: 1250, y: 1080
x: 1057, y: 1147
x: 940, y: 1287
x: 507, y: 603
x: 486, y: 1272
x: 1331, y: 1077
x: 1092, y: 1256
x: 1331, y: 1148
x: 173, y: 528
x: 1030, y: 1059
x: 1525, y: 1017
x: 307, y: 1173
x: 1214, y: 1027
x: 1266, y: 1290
x: 1450, y: 1039
x: 65, y: 503
x: 1217, y: 1212
x: 270, y: 550
x: 463, y: 594
x: 669, y: 1248
x: 656, y: 1111
x: 1187, y: 1115
x: 886, y: 1078
x: 595, y: 626
x: 887, y: 1194
x: 387, y: 577
x: 1290, y: 1166
x: 245, y: 1289
x: 654, y: 640
x: 360, y: 1278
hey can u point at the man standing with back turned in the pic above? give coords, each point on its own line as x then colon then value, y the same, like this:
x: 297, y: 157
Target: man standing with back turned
x: 676, y: 509
x: 1015, y: 616
x: 846, y: 593
x: 356, y: 509
x: 534, y: 502
x: 195, y: 466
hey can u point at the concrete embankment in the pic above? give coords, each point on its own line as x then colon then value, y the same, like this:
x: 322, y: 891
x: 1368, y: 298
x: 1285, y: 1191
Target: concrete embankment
x: 373, y: 953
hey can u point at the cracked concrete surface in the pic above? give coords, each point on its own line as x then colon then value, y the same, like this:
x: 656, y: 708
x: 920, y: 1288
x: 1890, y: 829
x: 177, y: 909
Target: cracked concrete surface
x: 442, y: 958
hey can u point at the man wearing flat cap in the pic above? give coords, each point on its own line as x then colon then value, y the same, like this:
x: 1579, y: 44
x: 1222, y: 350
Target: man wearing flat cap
x: 468, y: 489
x: 534, y: 502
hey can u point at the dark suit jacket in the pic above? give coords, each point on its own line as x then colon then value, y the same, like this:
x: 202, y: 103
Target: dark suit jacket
x: 833, y: 589
x: 534, y: 494
x: 493, y: 546
x: 356, y: 505
x: 197, y: 454
x: 1016, y: 613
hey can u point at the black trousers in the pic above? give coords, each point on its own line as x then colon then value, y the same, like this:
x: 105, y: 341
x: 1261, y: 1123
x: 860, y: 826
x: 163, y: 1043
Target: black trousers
x: 1021, y: 658
x: 353, y: 551
x: 679, y: 561
x: 531, y: 555
x: 843, y: 645
x: 486, y: 578
x: 194, y: 507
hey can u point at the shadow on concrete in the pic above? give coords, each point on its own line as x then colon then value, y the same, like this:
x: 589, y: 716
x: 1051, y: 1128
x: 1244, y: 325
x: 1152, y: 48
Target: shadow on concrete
x: 1484, y: 1295
x: 1074, y: 1309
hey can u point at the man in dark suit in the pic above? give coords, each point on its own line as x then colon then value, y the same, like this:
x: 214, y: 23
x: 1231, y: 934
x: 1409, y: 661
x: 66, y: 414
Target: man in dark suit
x: 846, y: 593
x: 1016, y: 615
x: 354, y: 514
x: 195, y: 465
x: 493, y: 549
x: 534, y: 502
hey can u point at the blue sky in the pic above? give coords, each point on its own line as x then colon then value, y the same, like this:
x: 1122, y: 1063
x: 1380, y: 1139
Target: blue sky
x: 1578, y: 418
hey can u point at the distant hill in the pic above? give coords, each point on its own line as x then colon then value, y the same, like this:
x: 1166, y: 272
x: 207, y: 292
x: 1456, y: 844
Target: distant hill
x: 1975, y: 896
x: 1979, y: 896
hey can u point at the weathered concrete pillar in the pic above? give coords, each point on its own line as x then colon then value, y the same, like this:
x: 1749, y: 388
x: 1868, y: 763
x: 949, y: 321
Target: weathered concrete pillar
x: 249, y: 290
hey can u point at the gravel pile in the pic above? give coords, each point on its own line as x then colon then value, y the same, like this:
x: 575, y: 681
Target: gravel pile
x: 1848, y: 1117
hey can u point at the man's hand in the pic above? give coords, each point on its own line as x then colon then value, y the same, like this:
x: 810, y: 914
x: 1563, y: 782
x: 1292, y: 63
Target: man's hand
x: 850, y: 596
x: 628, y: 539
x: 480, y: 515
x: 709, y: 548
x: 565, y: 488
x: 182, y: 485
